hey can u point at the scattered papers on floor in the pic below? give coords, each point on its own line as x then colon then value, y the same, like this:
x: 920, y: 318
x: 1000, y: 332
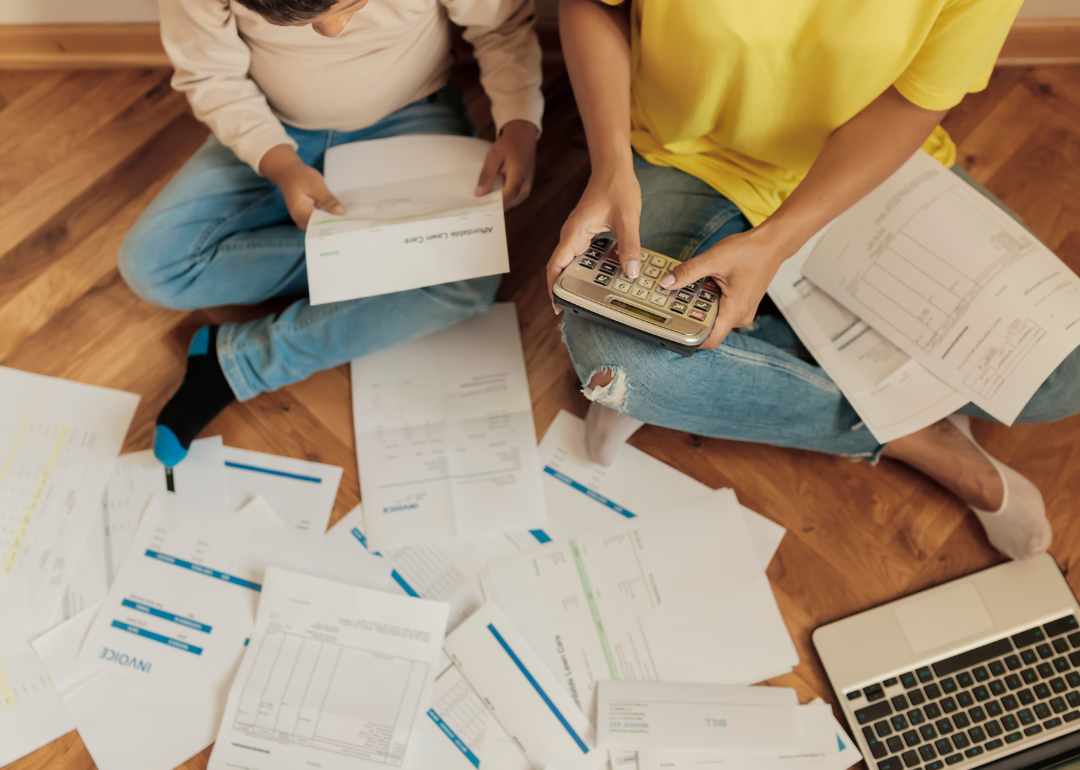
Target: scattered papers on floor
x: 409, y: 200
x: 446, y: 445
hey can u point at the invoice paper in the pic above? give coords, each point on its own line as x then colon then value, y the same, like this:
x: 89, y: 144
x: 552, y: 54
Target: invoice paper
x: 183, y: 604
x: 459, y: 733
x: 583, y: 496
x: 675, y: 598
x: 300, y: 492
x: 892, y: 393
x: 823, y: 745
x: 58, y: 443
x: 31, y: 713
x: 447, y: 571
x: 695, y: 716
x: 412, y: 218
x: 522, y: 694
x: 124, y: 724
x: 445, y: 440
x: 956, y: 283
x: 335, y: 677
x: 135, y: 478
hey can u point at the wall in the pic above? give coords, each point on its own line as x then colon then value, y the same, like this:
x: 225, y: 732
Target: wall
x: 72, y: 11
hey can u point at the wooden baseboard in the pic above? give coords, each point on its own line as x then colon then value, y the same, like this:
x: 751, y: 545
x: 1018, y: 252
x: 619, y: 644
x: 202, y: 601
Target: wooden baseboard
x: 1041, y: 41
x: 99, y: 46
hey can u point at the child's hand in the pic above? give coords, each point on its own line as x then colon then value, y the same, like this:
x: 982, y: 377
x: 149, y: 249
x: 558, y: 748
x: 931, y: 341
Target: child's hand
x: 514, y: 156
x: 303, y: 187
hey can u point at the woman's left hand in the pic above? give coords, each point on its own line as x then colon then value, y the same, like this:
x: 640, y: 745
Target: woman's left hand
x: 513, y: 156
x: 742, y: 265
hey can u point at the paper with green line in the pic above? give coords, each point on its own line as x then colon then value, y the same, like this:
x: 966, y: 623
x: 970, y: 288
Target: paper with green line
x: 412, y: 218
x: 679, y: 597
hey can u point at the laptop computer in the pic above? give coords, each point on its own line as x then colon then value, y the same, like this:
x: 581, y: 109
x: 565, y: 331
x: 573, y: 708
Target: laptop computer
x: 983, y: 671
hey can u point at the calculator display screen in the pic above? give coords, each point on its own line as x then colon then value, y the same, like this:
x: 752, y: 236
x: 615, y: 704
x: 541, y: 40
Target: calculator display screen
x: 632, y: 309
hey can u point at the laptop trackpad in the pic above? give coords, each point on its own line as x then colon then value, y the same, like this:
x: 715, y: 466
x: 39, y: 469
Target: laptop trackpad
x: 944, y: 617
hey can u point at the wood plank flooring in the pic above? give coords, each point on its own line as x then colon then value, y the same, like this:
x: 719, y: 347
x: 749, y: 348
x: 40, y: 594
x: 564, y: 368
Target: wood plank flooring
x: 83, y: 152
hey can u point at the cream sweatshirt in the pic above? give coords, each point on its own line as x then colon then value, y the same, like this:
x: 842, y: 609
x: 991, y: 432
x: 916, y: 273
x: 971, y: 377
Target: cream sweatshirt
x: 245, y: 77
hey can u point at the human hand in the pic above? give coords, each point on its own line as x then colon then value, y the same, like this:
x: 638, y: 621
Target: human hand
x: 743, y: 265
x: 513, y: 156
x: 610, y: 202
x: 304, y: 188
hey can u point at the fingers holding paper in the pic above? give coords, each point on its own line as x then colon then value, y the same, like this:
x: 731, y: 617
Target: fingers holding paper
x: 303, y: 187
x: 513, y: 156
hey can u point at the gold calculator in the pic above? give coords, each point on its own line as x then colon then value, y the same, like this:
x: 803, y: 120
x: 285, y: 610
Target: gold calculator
x: 593, y: 286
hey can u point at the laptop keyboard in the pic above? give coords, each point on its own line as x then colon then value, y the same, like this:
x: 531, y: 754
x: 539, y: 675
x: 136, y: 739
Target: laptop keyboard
x: 968, y: 706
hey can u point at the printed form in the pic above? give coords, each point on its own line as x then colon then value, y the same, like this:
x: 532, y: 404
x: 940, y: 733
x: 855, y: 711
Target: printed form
x: 335, y: 676
x: 58, y: 443
x: 31, y: 712
x: 892, y: 393
x: 183, y: 604
x: 446, y: 444
x: 956, y: 283
x: 410, y: 201
x: 675, y: 598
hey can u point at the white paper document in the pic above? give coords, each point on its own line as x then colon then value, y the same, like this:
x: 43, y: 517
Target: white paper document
x: 695, y: 716
x: 58, y: 443
x: 583, y: 496
x: 445, y: 439
x: 675, y: 598
x: 335, y: 677
x: 956, y: 283
x: 31, y: 713
x: 522, y: 694
x: 412, y: 218
x: 447, y: 571
x: 183, y: 605
x: 823, y: 745
x: 459, y: 733
x: 892, y: 393
x: 300, y: 492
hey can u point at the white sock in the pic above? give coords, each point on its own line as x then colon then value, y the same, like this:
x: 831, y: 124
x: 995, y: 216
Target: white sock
x: 605, y: 431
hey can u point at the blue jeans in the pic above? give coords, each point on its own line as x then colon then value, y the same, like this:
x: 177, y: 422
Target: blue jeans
x: 219, y: 234
x: 761, y: 384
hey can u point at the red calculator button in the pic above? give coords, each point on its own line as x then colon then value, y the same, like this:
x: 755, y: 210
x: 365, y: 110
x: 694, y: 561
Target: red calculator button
x: 710, y: 285
x: 697, y: 315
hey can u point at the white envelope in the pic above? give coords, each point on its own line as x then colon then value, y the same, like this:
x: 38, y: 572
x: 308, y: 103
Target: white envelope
x: 696, y: 716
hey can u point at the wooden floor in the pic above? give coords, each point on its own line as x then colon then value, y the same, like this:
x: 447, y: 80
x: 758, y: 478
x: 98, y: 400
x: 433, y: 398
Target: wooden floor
x: 82, y: 153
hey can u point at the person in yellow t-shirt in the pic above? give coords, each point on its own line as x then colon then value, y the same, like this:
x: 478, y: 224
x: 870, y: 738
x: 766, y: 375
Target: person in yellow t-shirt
x: 725, y: 133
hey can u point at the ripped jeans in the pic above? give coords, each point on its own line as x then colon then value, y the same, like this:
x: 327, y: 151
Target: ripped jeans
x: 761, y: 384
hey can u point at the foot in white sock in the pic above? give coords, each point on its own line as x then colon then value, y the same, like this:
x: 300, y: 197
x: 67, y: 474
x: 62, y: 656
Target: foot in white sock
x: 605, y: 431
x: 1019, y: 527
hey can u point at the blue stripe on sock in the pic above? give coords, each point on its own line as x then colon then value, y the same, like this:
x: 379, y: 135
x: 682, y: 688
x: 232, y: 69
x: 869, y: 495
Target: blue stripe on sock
x: 200, y: 343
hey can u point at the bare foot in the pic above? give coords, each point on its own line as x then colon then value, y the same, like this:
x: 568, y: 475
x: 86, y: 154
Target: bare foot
x: 605, y: 431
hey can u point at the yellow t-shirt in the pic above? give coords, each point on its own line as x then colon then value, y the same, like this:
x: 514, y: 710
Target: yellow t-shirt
x: 743, y: 94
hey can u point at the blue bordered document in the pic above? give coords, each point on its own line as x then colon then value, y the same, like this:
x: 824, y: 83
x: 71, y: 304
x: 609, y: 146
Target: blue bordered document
x: 522, y: 694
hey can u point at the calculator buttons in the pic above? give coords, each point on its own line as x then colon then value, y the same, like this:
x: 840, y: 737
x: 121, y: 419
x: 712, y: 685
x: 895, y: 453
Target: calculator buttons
x: 648, y: 283
x: 702, y: 305
x: 608, y: 267
x: 586, y: 262
x: 658, y: 260
x: 602, y: 279
x: 708, y: 296
x: 623, y: 285
x: 640, y: 293
x: 678, y: 307
x: 710, y: 285
x: 658, y: 299
x: 662, y: 290
x: 684, y: 296
x: 697, y: 315
x: 652, y: 271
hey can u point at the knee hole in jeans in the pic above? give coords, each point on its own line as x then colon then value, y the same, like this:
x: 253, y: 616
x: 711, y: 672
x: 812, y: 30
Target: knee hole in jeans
x: 607, y: 386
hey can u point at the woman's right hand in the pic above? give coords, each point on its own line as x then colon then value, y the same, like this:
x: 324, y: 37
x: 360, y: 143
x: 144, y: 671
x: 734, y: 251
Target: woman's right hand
x: 611, y: 202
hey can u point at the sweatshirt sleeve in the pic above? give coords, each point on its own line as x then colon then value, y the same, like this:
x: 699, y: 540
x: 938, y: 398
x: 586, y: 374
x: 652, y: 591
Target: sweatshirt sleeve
x: 211, y: 62
x: 508, y: 52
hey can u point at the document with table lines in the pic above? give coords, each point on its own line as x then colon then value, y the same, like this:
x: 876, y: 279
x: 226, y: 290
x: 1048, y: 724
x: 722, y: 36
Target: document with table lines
x: 58, y: 443
x: 956, y: 283
x: 335, y: 676
x: 182, y: 605
x: 583, y: 496
x: 892, y: 393
x: 31, y: 713
x: 445, y: 439
x: 675, y: 598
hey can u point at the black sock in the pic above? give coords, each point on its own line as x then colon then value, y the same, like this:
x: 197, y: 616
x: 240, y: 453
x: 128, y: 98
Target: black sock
x: 201, y: 396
